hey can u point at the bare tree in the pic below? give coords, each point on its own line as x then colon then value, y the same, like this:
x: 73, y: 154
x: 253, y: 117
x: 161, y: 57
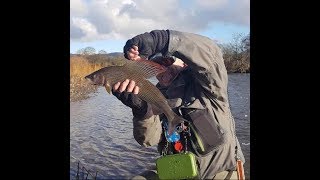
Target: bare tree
x: 89, y: 51
x: 236, y: 54
x: 102, y: 52
x: 80, y: 51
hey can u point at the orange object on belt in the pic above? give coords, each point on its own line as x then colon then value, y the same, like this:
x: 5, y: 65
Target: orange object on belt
x: 178, y: 146
x: 240, y: 171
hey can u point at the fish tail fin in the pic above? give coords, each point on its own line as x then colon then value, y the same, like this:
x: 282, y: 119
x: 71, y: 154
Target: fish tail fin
x: 172, y: 124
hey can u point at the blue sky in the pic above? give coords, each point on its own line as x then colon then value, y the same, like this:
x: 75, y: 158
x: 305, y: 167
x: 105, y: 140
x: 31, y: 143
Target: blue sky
x: 107, y: 24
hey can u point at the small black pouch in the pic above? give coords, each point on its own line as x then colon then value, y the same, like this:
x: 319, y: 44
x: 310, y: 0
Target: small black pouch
x: 207, y: 133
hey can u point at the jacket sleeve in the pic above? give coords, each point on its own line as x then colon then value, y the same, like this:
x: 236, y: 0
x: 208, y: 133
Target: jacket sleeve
x: 147, y: 130
x: 205, y: 59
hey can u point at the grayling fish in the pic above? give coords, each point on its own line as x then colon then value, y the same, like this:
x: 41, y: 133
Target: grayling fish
x: 138, y: 71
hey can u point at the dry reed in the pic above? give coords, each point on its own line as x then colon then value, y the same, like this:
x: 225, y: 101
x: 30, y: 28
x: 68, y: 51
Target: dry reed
x: 79, y: 68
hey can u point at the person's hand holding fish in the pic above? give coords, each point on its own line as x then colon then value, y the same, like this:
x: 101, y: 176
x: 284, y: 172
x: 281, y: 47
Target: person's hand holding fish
x: 129, y: 85
x: 147, y: 45
x: 133, y: 53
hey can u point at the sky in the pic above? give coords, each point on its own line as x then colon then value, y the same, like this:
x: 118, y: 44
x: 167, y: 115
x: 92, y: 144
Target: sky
x: 108, y: 24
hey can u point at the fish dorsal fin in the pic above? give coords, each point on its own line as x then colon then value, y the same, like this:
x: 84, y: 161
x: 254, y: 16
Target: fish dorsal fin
x: 146, y: 67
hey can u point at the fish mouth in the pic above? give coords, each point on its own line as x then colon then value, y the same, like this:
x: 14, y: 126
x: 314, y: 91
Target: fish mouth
x: 90, y: 81
x: 94, y: 81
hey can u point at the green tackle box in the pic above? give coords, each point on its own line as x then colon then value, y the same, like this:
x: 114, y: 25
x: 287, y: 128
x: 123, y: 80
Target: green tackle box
x: 177, y: 166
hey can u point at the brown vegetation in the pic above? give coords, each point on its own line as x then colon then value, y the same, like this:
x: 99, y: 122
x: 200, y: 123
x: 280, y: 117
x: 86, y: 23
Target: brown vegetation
x: 82, y: 65
x: 237, y: 54
x: 79, y: 68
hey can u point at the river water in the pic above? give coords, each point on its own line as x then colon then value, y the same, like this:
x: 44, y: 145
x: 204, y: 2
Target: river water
x: 101, y: 137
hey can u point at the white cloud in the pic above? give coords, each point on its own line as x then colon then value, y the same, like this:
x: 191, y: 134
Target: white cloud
x: 87, y: 29
x: 211, y: 4
x: 122, y: 19
x: 78, y: 8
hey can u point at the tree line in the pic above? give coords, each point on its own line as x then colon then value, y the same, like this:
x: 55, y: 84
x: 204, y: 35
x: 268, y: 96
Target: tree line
x: 89, y: 51
x: 236, y: 54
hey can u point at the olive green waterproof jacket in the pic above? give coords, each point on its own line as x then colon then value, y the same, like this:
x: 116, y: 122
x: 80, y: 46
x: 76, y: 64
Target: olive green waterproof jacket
x: 206, y: 94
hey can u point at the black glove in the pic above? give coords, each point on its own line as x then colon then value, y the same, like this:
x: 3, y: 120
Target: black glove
x: 149, y: 43
x: 139, y: 107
